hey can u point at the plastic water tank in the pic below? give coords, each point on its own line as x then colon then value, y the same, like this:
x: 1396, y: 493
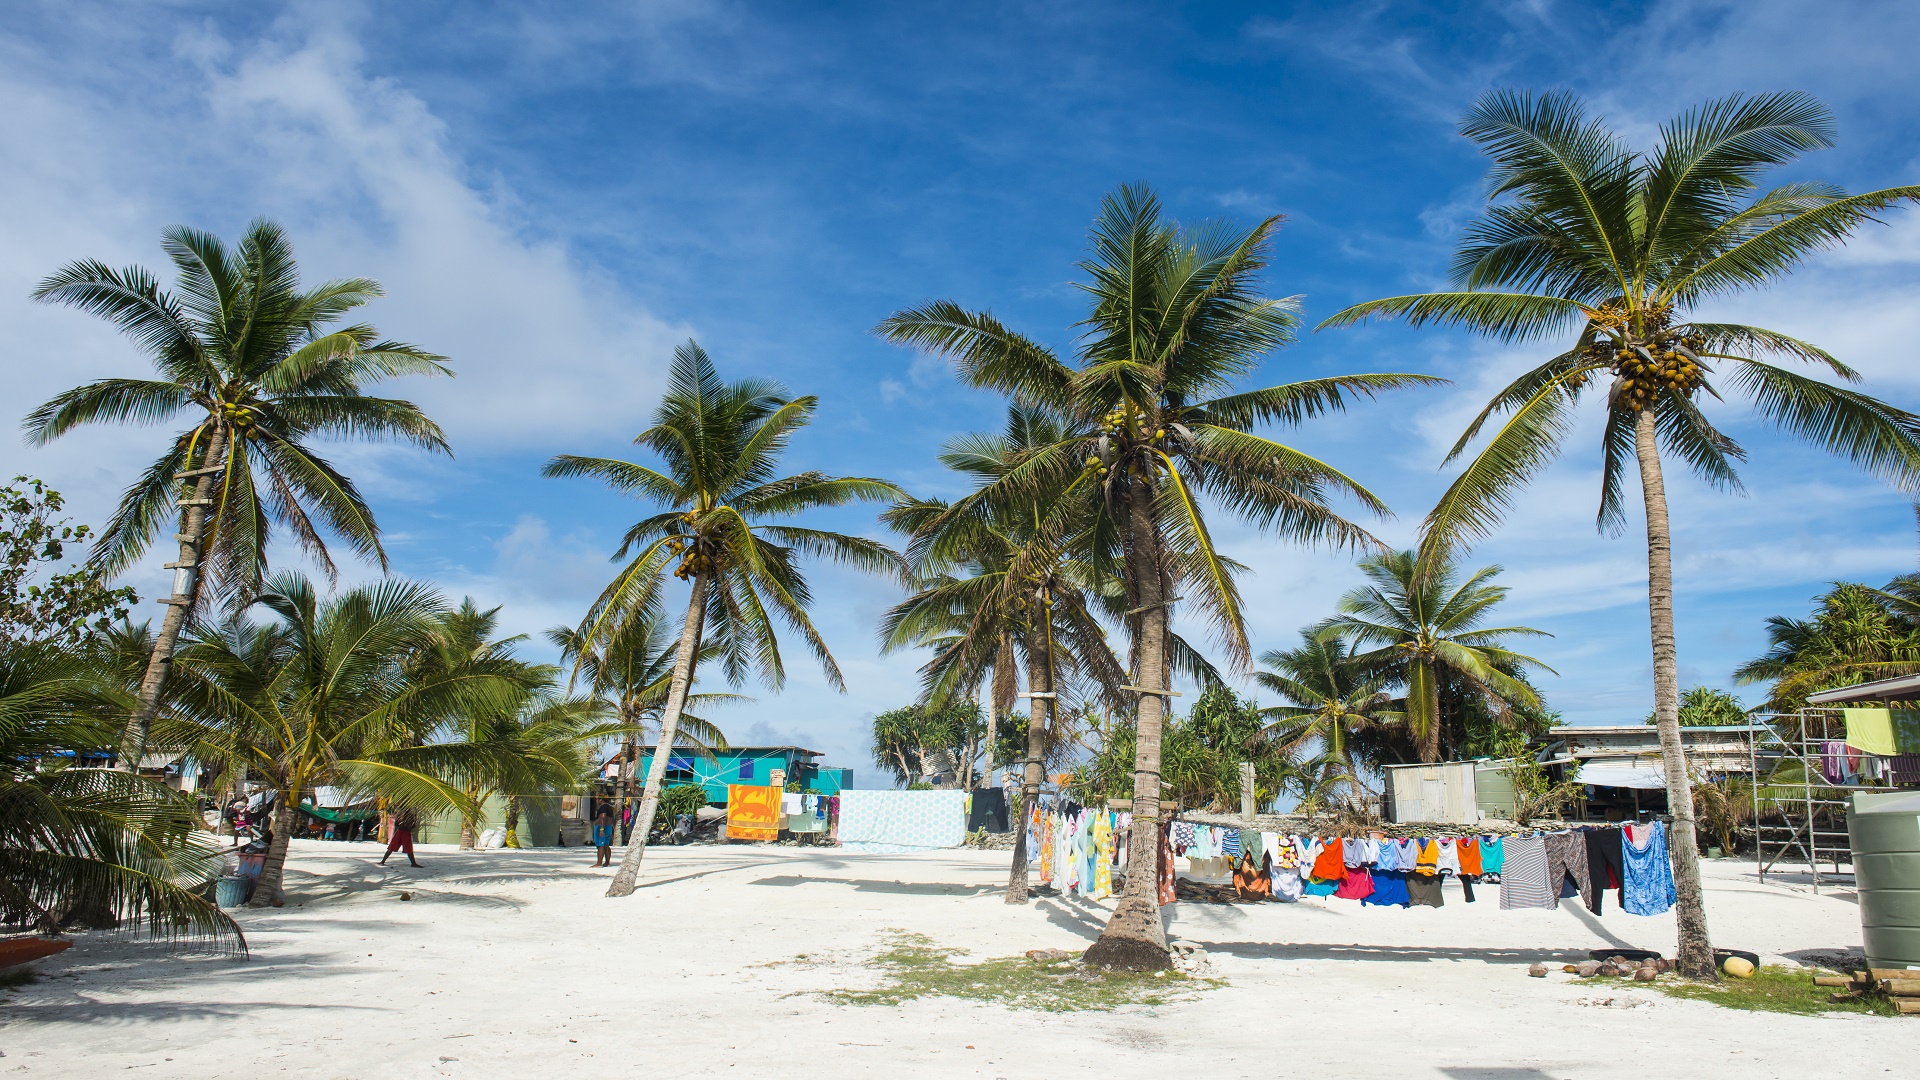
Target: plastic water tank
x: 1885, y: 829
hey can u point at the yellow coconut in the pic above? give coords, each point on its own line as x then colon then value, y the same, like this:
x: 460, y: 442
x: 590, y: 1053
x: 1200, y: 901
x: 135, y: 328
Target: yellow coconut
x: 1738, y: 966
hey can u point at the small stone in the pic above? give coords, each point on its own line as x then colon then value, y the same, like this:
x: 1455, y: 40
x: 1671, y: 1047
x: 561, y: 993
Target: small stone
x: 1537, y: 971
x: 1587, y: 969
x: 1645, y: 974
x: 406, y: 896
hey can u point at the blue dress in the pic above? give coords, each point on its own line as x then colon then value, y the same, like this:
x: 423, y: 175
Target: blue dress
x: 1647, y: 883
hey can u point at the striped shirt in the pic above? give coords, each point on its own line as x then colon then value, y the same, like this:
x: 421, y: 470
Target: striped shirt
x: 1523, y: 878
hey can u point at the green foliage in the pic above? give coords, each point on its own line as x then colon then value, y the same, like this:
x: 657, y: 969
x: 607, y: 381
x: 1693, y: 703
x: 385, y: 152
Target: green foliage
x: 1724, y: 808
x: 912, y: 967
x: 721, y: 520
x: 1535, y: 793
x: 1585, y: 236
x: 682, y: 799
x: 244, y: 351
x: 346, y: 692
x: 1428, y: 624
x: 92, y: 846
x: 37, y: 601
x: 1703, y: 706
x: 1775, y: 990
x: 1200, y: 757
x: 1329, y: 703
x: 1856, y: 634
x: 918, y: 742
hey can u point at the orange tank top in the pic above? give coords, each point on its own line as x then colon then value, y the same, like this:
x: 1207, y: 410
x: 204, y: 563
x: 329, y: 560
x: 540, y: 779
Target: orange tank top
x: 1468, y: 848
x: 1332, y: 863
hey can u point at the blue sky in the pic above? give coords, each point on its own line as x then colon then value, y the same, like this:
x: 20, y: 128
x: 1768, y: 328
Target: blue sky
x: 556, y: 194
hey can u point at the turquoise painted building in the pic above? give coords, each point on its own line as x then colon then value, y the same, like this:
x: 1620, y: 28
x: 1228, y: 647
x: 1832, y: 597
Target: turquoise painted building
x: 749, y: 765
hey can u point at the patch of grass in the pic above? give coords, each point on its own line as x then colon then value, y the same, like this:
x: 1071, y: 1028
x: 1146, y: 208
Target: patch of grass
x: 1775, y: 989
x: 915, y: 968
x: 13, y: 977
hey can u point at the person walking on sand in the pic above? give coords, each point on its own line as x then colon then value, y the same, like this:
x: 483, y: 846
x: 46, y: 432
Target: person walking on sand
x: 603, y: 837
x: 401, y: 839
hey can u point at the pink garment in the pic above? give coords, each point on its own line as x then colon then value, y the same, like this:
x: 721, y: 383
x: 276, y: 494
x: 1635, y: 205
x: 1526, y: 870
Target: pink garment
x: 1357, y: 884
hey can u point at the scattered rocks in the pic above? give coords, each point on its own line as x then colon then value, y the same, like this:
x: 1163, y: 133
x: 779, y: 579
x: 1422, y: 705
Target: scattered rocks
x: 1049, y: 956
x: 1587, y: 969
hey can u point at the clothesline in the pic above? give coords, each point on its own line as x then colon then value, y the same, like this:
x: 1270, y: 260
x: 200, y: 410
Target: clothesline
x: 1535, y: 870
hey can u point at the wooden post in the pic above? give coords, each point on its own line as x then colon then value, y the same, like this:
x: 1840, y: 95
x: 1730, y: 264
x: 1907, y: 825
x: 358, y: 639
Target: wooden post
x: 1246, y: 792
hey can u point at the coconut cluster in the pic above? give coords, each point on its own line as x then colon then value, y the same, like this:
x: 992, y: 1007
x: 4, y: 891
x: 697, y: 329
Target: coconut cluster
x: 1657, y: 359
x: 239, y: 417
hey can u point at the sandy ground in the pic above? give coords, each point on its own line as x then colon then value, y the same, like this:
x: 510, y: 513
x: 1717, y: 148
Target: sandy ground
x: 513, y: 964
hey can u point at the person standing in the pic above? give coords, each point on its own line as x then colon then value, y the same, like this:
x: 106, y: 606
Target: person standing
x: 603, y: 837
x: 404, y: 821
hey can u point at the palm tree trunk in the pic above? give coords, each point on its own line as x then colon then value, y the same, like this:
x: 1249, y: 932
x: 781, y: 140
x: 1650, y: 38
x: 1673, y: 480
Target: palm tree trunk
x: 1135, y: 939
x: 1039, y: 714
x: 993, y: 718
x: 467, y: 833
x: 268, y: 893
x: 186, y: 593
x: 1696, y: 949
x: 513, y: 821
x: 624, y: 879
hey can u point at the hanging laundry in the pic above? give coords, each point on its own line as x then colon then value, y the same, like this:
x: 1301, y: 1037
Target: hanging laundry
x: 1250, y: 880
x: 1467, y: 848
x: 1647, y: 883
x: 1423, y: 890
x: 1605, y: 869
x: 1523, y: 877
x: 1567, y: 867
x: 1389, y: 887
x: 1169, y: 888
x: 1284, y: 869
x: 1357, y: 885
x: 1331, y: 864
x: 1493, y: 855
x: 1103, y: 856
x: 753, y: 812
x: 901, y: 821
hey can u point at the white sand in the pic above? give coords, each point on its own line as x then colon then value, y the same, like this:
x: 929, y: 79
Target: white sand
x: 516, y: 965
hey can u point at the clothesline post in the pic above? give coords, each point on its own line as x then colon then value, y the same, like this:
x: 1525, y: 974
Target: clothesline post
x: 1246, y: 792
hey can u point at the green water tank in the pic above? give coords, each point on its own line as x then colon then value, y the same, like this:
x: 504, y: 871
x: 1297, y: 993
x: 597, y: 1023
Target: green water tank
x: 1885, y: 829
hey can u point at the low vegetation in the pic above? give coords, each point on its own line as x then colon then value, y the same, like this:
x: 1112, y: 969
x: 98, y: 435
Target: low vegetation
x: 914, y: 967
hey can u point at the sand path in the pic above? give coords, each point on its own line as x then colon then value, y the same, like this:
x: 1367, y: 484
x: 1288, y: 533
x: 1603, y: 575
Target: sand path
x: 514, y: 965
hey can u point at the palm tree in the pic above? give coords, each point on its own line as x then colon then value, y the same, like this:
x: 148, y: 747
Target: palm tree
x: 721, y: 443
x: 1329, y: 698
x: 1621, y: 248
x: 1153, y: 425
x: 260, y: 371
x: 545, y: 746
x: 464, y: 646
x: 331, y: 694
x: 1856, y: 634
x: 632, y: 671
x: 92, y: 845
x: 1019, y: 595
x: 1427, y: 623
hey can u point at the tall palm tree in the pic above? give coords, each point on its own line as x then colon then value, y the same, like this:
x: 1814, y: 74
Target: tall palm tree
x: 1329, y: 698
x: 1620, y: 249
x: 720, y: 444
x: 1020, y: 594
x: 1428, y: 624
x: 328, y: 694
x: 1154, y: 424
x: 87, y: 844
x: 260, y: 371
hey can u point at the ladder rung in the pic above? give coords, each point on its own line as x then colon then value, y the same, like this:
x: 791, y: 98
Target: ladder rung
x: 209, y: 471
x: 178, y: 566
x: 196, y: 502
